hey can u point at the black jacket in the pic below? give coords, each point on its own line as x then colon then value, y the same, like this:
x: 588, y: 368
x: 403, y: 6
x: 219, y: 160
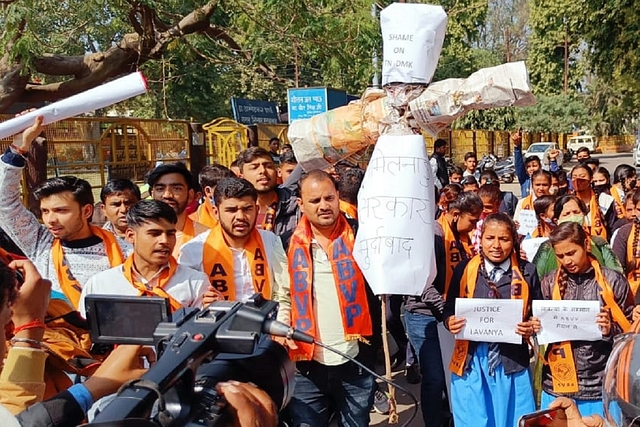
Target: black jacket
x: 442, y: 174
x: 287, y: 212
x: 515, y: 357
x: 62, y: 410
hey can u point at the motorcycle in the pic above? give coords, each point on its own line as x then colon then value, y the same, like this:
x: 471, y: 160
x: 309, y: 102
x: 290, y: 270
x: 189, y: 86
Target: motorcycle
x: 505, y: 168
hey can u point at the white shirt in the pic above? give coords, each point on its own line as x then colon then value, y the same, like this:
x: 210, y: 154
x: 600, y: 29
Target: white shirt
x: 192, y: 253
x: 504, y: 266
x: 186, y: 286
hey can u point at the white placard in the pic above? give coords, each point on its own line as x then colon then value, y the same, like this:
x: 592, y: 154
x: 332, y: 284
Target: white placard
x: 99, y: 97
x: 412, y: 37
x: 447, y: 344
x: 528, y: 222
x: 490, y: 320
x: 567, y: 320
x: 531, y: 246
x: 394, y: 246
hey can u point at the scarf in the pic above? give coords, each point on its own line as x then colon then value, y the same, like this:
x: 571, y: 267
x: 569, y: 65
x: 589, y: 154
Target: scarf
x: 542, y: 230
x: 348, y: 279
x: 269, y: 216
x: 595, y: 218
x: 618, y: 204
x: 560, y: 355
x: 217, y: 260
x: 633, y: 259
x: 204, y: 214
x: 68, y: 283
x: 527, y: 202
x: 349, y: 209
x: 163, y: 279
x: 188, y: 232
x: 468, y: 281
x: 455, y: 251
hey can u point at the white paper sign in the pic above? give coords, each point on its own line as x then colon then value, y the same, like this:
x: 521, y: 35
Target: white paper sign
x: 412, y: 37
x: 528, y: 221
x: 490, y: 320
x: 99, y: 97
x: 394, y: 246
x: 447, y: 344
x: 567, y: 320
x: 531, y: 246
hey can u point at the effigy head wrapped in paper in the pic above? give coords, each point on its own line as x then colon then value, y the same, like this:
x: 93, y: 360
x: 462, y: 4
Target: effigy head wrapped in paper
x: 412, y: 38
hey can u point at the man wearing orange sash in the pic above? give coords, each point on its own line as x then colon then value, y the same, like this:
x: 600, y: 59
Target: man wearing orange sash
x: 66, y: 248
x: 239, y: 259
x: 117, y: 197
x: 151, y: 269
x: 328, y: 299
x: 173, y: 184
x: 208, y: 178
x: 277, y: 208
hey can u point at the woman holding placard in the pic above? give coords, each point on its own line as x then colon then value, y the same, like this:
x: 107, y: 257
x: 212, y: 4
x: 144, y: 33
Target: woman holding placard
x: 576, y: 368
x: 491, y: 383
x: 598, y: 219
x: 540, y: 184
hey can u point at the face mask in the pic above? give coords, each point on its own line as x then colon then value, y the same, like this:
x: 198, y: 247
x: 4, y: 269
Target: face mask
x: 578, y: 219
x: 550, y: 222
x: 600, y: 188
x: 553, y: 190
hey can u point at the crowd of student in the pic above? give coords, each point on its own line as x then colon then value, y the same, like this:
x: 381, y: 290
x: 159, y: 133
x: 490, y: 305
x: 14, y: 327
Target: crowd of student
x: 237, y: 233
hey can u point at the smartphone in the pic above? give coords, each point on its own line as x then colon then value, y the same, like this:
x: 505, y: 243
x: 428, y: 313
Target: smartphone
x: 545, y: 418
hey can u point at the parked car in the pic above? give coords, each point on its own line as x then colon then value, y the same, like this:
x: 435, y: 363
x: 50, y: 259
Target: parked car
x: 636, y: 154
x: 541, y: 151
x: 576, y: 142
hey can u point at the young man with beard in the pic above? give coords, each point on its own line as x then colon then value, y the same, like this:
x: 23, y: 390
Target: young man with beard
x: 117, y: 197
x: 239, y: 259
x: 151, y: 269
x: 173, y: 184
x: 66, y: 248
x: 330, y: 300
x: 277, y: 208
x: 208, y: 179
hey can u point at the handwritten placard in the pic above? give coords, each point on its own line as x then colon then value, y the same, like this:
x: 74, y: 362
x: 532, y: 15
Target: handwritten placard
x: 566, y: 320
x: 396, y: 205
x: 531, y: 246
x: 528, y: 222
x: 412, y: 36
x: 490, y: 320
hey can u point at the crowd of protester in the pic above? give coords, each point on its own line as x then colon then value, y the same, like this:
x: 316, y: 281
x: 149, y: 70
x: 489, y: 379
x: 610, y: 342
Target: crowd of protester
x: 262, y: 226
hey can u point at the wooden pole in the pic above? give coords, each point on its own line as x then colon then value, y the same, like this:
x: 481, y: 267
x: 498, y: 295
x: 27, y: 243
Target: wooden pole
x: 393, y: 413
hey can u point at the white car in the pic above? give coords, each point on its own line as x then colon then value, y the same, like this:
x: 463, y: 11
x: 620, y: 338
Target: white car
x: 541, y: 151
x: 577, y: 142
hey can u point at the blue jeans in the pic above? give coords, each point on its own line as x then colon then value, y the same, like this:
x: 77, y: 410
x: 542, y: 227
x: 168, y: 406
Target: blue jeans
x: 423, y: 335
x: 321, y: 390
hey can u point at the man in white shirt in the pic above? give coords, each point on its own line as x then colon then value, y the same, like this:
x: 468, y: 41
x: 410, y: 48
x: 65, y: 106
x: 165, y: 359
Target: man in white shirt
x: 151, y: 269
x: 328, y: 299
x: 239, y: 259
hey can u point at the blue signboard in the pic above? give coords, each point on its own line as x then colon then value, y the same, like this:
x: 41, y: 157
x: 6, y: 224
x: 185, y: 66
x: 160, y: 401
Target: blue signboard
x: 305, y: 103
x: 252, y: 112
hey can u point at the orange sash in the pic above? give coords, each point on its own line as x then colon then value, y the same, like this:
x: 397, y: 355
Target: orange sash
x: 519, y: 290
x: 527, y: 202
x: 188, y: 232
x: 560, y: 355
x: 163, y: 279
x: 217, y: 260
x: 633, y: 261
x: 453, y: 252
x: 204, y: 214
x: 542, y: 230
x: 617, y: 204
x: 349, y: 209
x: 597, y: 222
x: 270, y: 216
x: 348, y: 278
x: 68, y: 283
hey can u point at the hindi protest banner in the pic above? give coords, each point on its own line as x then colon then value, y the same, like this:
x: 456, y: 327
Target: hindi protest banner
x: 528, y: 222
x: 93, y: 99
x: 412, y: 38
x: 530, y: 246
x: 567, y: 320
x: 396, y: 205
x: 490, y: 320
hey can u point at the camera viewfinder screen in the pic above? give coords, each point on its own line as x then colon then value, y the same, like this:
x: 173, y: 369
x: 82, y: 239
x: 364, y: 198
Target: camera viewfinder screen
x: 118, y: 320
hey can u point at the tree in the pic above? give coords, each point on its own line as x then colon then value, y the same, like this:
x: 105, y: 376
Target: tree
x: 554, y: 113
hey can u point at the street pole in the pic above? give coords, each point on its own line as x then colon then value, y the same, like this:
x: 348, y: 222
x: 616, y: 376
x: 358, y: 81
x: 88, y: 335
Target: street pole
x: 566, y: 57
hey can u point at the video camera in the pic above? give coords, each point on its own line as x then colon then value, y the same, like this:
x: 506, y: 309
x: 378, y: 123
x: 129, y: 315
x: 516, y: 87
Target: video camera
x: 197, y: 349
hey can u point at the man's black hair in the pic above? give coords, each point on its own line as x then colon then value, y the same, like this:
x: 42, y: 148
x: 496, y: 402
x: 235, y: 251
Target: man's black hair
x: 8, y: 290
x: 582, y: 150
x: 274, y: 138
x: 349, y: 185
x: 150, y: 210
x: 591, y: 161
x: 470, y: 155
x: 210, y: 175
x: 115, y: 186
x: 167, y: 168
x: 79, y: 188
x: 439, y: 143
x: 289, y: 158
x: 234, y: 188
x: 252, y: 153
x: 318, y: 175
x: 532, y: 159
